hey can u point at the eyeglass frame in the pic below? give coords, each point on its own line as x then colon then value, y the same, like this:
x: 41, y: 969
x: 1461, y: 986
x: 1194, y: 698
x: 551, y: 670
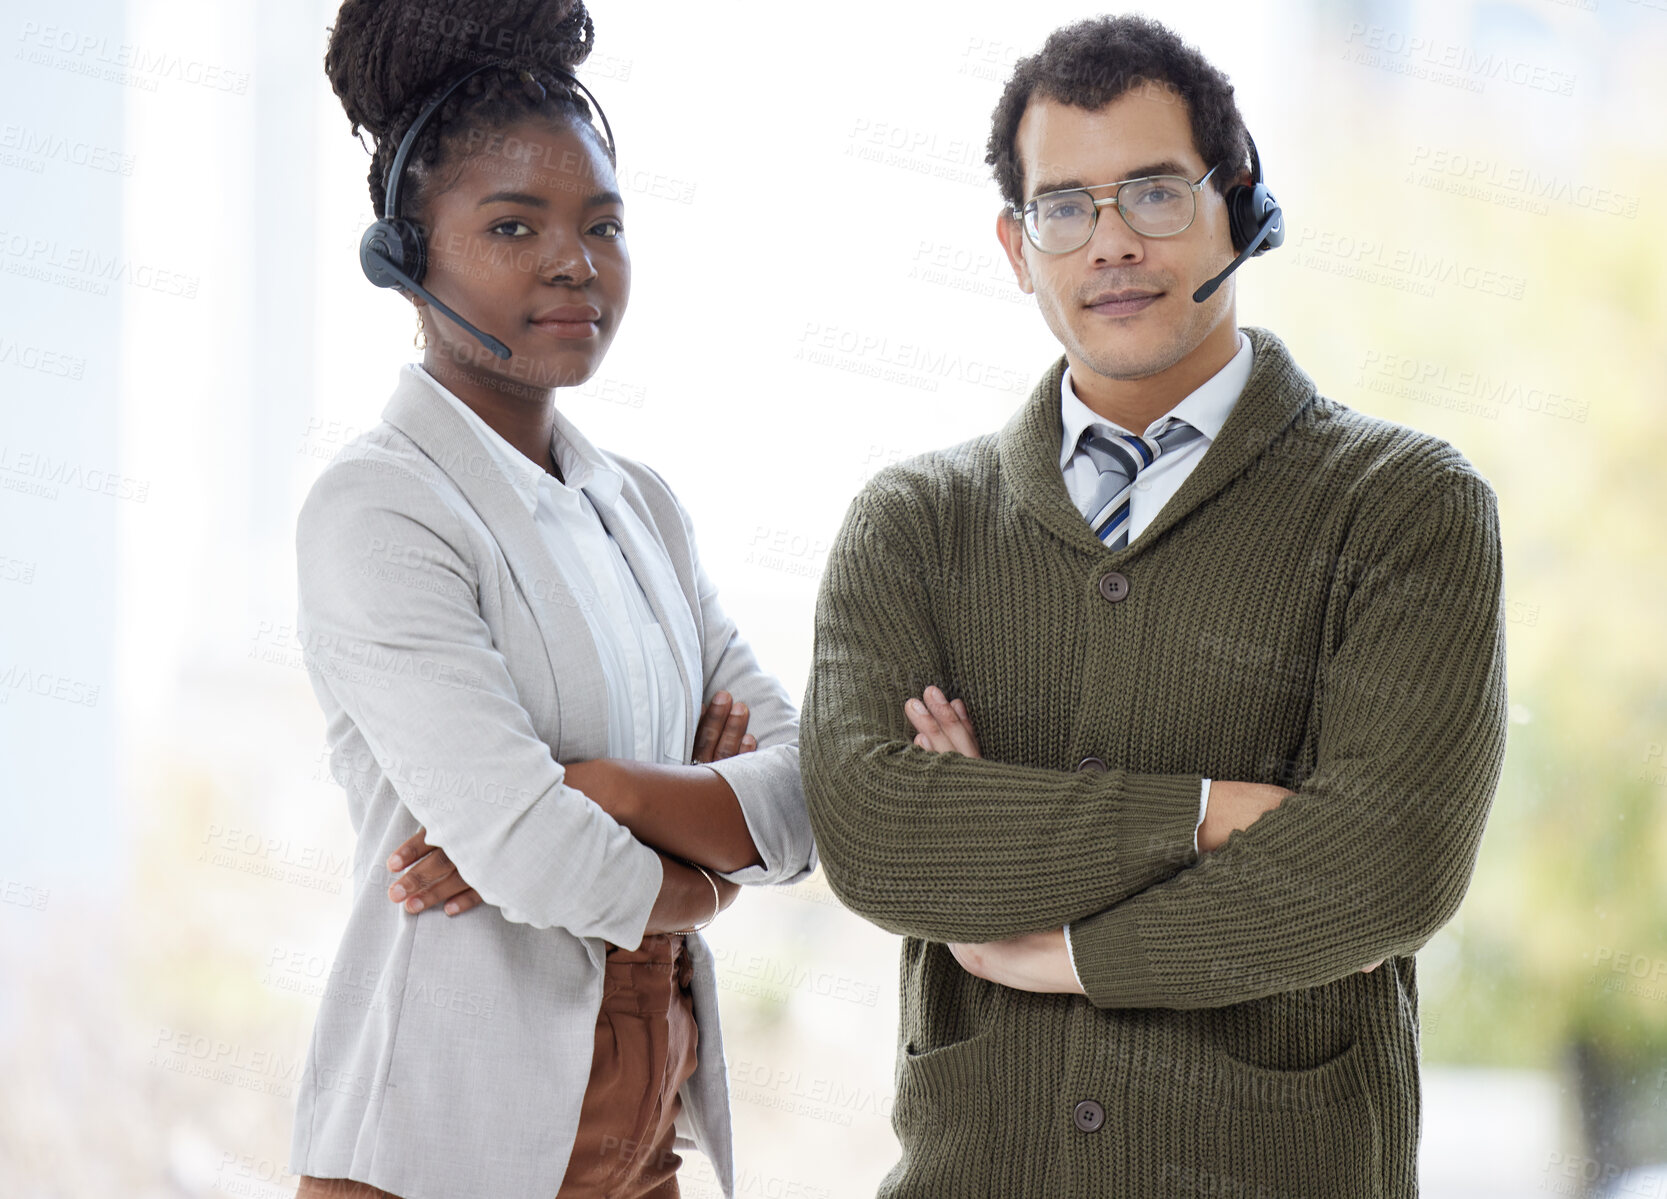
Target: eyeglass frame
x: 1018, y: 212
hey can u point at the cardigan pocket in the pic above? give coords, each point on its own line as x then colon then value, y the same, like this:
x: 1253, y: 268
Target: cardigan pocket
x: 933, y: 1065
x: 1333, y: 1081
x: 944, y: 1062
x: 944, y: 1089
x: 1310, y: 1132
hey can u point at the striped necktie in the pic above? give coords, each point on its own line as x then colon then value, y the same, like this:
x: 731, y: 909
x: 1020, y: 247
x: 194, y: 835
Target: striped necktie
x: 1120, y: 457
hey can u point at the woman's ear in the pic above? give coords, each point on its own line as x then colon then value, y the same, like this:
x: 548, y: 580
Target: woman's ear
x: 1012, y: 239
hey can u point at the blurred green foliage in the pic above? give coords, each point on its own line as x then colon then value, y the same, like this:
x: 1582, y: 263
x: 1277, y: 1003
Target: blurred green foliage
x: 1563, y: 937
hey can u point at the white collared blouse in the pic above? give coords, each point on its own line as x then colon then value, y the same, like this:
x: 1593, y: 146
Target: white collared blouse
x: 645, y: 711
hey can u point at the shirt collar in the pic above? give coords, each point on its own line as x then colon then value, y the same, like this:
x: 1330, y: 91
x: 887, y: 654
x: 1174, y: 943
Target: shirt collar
x: 582, y: 464
x: 1206, y: 409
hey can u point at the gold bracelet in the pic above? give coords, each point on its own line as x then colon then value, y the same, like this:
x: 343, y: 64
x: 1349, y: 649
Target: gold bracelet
x: 717, y: 901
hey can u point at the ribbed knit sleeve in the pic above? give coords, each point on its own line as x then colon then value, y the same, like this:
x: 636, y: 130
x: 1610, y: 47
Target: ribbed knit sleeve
x: 1374, y: 851
x: 937, y: 845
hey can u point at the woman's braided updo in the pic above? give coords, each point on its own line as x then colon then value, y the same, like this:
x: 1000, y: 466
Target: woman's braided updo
x: 387, y: 59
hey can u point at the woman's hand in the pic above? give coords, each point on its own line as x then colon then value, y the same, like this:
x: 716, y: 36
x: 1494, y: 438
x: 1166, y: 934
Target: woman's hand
x: 722, y: 732
x: 686, y: 897
x: 433, y: 881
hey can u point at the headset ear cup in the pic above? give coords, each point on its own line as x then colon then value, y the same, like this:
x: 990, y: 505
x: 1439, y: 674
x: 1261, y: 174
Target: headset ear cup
x: 412, y: 248
x: 1240, y: 227
x: 395, y: 241
x: 1247, y: 208
x: 379, y: 243
x: 1259, y: 207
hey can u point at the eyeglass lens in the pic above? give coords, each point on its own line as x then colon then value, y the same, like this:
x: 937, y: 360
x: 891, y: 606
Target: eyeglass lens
x: 1156, y: 207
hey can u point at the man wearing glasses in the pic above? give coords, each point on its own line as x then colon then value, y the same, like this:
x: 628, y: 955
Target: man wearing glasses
x: 1235, y: 657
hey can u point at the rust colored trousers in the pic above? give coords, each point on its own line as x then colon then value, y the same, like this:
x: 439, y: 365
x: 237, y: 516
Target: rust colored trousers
x: 645, y: 1051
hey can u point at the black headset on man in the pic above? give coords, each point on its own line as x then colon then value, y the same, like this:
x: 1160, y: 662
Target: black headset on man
x: 1253, y: 218
x: 392, y: 251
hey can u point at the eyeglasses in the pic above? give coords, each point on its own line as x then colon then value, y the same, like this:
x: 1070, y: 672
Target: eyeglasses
x: 1154, y: 206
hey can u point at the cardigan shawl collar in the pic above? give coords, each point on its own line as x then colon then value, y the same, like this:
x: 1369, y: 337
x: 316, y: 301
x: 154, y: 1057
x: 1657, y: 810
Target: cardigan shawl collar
x: 1278, y: 391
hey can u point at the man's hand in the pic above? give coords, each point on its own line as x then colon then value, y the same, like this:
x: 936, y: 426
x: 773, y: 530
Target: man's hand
x: 1034, y: 962
x: 1040, y: 961
x: 433, y: 880
x: 942, y: 726
x: 1235, y: 806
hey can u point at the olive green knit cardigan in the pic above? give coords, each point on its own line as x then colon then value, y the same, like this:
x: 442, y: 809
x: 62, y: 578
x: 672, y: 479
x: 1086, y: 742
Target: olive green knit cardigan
x: 1318, y: 606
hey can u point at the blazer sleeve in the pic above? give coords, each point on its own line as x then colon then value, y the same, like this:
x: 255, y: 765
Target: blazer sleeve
x: 390, y: 625
x: 766, y: 782
x: 1375, y: 850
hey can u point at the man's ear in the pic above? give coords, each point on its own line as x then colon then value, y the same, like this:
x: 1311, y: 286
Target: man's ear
x: 1012, y: 239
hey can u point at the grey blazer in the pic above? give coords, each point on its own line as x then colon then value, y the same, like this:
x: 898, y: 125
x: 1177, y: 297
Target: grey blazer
x: 456, y: 673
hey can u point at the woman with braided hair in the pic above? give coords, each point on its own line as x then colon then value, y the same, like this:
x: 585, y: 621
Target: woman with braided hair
x: 560, y: 758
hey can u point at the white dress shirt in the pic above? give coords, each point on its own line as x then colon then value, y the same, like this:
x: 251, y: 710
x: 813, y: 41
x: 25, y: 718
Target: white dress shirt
x: 1206, y: 410
x: 645, y: 711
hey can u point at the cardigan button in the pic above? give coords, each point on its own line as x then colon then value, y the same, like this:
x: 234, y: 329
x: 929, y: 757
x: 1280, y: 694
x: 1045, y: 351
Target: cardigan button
x: 1089, y: 1116
x: 1114, y: 586
x: 1092, y: 766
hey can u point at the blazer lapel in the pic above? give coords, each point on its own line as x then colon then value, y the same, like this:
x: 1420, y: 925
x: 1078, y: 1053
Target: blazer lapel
x: 645, y: 554
x: 441, y: 434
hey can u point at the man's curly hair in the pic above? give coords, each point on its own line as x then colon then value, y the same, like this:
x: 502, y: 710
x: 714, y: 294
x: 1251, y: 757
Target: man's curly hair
x: 1090, y: 63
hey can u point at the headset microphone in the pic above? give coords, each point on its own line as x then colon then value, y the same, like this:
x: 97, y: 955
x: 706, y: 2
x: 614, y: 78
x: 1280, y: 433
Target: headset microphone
x: 392, y: 252
x: 379, y: 262
x: 1254, y: 220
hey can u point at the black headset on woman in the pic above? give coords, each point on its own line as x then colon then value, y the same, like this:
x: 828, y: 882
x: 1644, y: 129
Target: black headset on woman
x: 392, y: 251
